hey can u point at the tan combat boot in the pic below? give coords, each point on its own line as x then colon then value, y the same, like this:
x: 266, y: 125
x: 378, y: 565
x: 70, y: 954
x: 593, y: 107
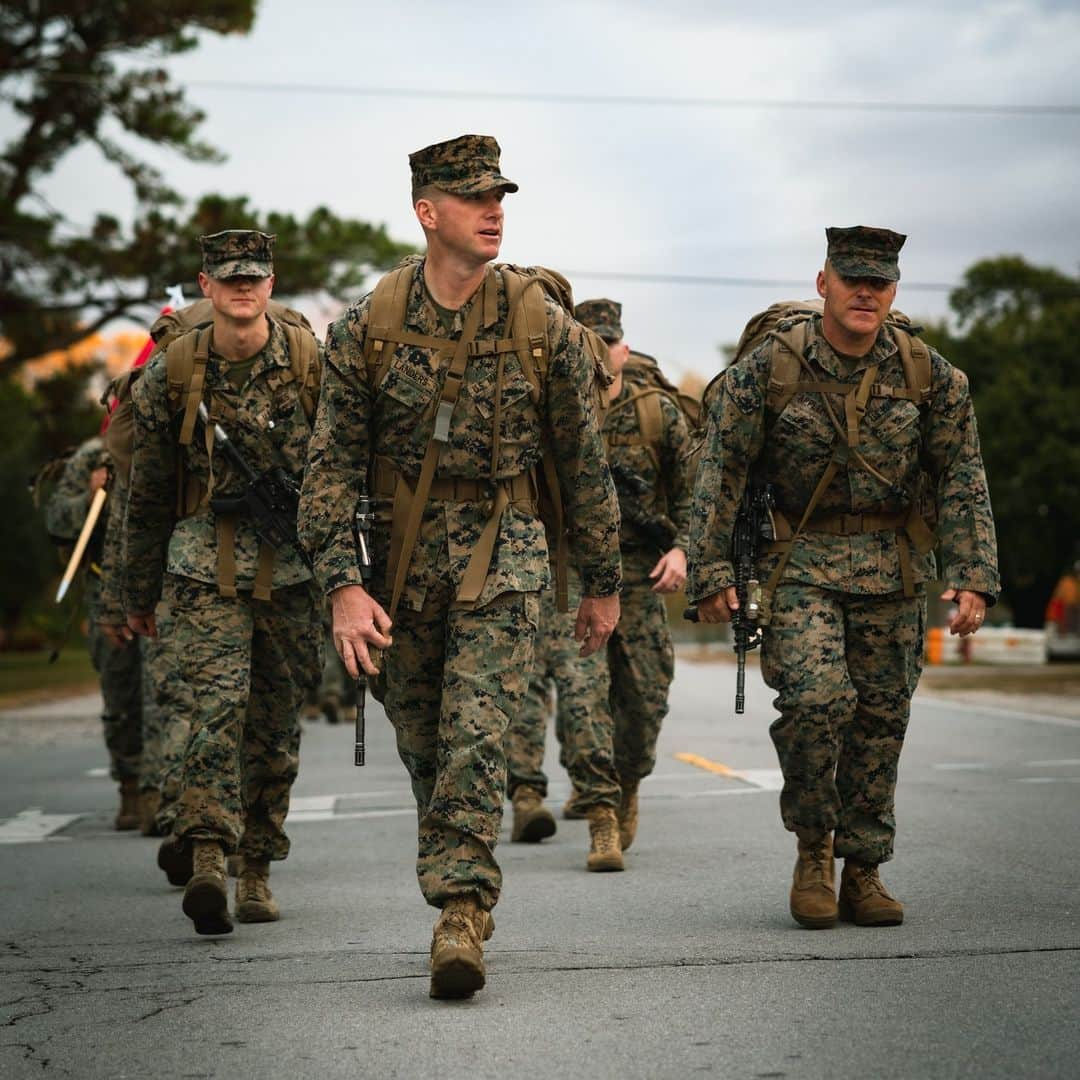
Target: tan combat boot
x: 813, y: 889
x: 206, y: 898
x: 234, y: 865
x: 532, y: 819
x: 149, y: 802
x: 605, y: 852
x: 864, y: 900
x: 127, y: 817
x: 457, y: 948
x: 254, y: 900
x: 570, y: 811
x: 174, y: 857
x: 628, y: 813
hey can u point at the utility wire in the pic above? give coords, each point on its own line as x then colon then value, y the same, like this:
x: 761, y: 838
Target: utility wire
x: 634, y: 100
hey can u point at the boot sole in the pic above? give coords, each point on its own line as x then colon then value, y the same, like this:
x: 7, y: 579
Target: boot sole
x: 815, y: 922
x: 458, y: 975
x: 847, y: 914
x: 536, y: 829
x: 256, y: 913
x: 207, y: 906
x: 606, y: 864
x: 177, y: 864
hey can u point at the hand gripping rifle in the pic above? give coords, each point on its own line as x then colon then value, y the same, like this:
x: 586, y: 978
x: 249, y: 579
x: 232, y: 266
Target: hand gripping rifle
x: 753, y: 523
x: 363, y: 520
x: 270, y: 499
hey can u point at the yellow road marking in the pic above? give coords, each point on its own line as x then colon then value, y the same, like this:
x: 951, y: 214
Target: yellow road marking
x: 717, y: 767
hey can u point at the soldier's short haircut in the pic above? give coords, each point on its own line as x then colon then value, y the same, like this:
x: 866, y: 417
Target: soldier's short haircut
x: 425, y: 191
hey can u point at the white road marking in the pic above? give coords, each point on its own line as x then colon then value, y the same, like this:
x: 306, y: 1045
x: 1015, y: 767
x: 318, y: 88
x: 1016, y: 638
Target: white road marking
x: 1046, y: 780
x: 31, y: 826
x: 1052, y: 764
x: 101, y: 772
x: 956, y: 766
x: 964, y: 706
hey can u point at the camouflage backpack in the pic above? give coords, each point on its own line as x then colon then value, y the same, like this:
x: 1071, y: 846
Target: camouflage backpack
x: 527, y: 291
x: 786, y: 326
x: 647, y: 385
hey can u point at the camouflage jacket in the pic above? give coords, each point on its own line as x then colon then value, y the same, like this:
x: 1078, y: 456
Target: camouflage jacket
x: 395, y: 422
x: 791, y: 451
x: 659, y: 474
x: 265, y: 420
x: 68, y: 504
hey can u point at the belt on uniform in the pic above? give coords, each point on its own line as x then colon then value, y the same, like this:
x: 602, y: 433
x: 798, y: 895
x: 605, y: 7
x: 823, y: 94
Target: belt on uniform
x: 518, y: 491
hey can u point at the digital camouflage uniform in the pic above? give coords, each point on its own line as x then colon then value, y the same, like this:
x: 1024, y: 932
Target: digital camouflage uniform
x: 242, y: 665
x: 582, y: 717
x: 640, y: 655
x: 117, y: 668
x: 457, y: 671
x: 843, y: 647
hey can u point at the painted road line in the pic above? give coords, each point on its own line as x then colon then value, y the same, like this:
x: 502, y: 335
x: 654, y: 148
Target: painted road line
x: 1046, y: 780
x: 993, y: 710
x: 762, y: 779
x: 1061, y: 762
x: 329, y: 815
x: 103, y: 771
x: 957, y: 766
x: 31, y: 826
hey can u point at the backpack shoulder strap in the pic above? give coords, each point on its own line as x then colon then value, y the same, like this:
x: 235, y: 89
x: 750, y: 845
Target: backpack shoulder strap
x: 185, y: 365
x: 525, y: 298
x: 915, y: 356
x: 785, y: 363
x: 386, y: 319
x: 303, y: 354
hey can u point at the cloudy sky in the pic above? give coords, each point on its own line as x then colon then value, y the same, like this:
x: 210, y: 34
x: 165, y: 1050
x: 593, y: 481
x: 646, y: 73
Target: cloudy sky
x: 712, y: 189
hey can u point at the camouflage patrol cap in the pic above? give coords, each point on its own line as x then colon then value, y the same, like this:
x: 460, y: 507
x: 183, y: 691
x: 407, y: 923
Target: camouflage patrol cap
x: 861, y: 251
x: 603, y: 316
x: 237, y: 253
x: 467, y: 165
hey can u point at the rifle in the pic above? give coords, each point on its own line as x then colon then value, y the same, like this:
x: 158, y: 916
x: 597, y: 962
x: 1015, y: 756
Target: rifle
x: 657, y: 529
x: 270, y: 499
x: 753, y: 522
x: 363, y: 519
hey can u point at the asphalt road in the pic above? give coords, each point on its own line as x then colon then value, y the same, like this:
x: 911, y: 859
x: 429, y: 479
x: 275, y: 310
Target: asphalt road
x: 687, y: 964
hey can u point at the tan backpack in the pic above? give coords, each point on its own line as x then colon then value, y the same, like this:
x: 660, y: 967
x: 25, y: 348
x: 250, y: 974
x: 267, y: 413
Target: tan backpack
x: 527, y: 291
x: 786, y: 325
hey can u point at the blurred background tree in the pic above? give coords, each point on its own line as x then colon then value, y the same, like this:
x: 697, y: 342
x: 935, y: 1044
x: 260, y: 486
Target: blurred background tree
x: 1017, y: 337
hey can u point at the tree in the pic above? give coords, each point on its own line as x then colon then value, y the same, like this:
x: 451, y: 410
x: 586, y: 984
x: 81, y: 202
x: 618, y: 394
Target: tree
x: 1018, y: 341
x: 78, y: 72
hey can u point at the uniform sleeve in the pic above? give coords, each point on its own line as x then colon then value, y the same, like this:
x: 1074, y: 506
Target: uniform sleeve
x: 965, y: 529
x: 338, y: 457
x: 674, y: 460
x: 110, y: 601
x: 573, y: 431
x: 733, y: 440
x: 66, y: 508
x: 149, y: 516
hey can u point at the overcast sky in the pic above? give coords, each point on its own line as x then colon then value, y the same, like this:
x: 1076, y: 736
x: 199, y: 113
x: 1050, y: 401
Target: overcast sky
x: 653, y: 188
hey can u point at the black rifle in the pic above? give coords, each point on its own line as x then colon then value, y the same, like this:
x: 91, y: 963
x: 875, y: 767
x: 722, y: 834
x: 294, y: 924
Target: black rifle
x: 270, y: 499
x: 753, y: 522
x: 363, y: 519
x: 657, y: 530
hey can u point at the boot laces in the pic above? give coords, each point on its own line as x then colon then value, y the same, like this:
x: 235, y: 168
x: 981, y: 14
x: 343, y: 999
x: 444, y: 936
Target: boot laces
x: 605, y: 832
x: 207, y: 859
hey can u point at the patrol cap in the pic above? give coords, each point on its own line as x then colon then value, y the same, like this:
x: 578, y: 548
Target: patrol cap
x: 861, y: 251
x: 237, y: 253
x: 603, y: 316
x: 467, y: 165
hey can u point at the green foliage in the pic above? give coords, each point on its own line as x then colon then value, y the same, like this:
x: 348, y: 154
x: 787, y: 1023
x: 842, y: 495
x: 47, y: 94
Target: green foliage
x: 1018, y: 341
x: 76, y: 73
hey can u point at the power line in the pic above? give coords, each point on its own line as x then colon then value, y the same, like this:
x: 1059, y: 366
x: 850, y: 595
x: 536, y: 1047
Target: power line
x: 738, y: 282
x: 614, y: 100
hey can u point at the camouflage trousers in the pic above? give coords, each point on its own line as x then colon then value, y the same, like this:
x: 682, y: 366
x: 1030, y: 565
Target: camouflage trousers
x: 172, y: 707
x: 453, y: 678
x: 119, y: 672
x: 844, y: 668
x: 583, y: 718
x: 247, y: 665
x: 641, y: 664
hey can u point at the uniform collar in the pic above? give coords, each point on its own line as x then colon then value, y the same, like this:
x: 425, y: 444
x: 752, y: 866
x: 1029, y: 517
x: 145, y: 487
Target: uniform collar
x: 821, y: 352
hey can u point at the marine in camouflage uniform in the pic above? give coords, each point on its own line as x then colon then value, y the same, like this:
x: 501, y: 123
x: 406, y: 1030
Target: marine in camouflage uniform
x: 843, y: 646
x: 457, y: 668
x: 116, y: 662
x: 246, y: 659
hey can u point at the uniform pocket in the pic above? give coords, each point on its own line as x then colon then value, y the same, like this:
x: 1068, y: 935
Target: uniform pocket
x: 407, y: 389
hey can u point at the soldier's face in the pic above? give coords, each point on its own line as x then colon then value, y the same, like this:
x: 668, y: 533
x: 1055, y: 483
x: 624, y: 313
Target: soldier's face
x: 240, y: 298
x: 469, y: 226
x: 858, y: 306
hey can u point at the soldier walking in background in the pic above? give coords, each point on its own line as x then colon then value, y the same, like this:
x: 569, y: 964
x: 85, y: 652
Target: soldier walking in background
x: 866, y: 437
x: 647, y: 441
x: 443, y: 388
x: 115, y: 658
x: 246, y: 633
